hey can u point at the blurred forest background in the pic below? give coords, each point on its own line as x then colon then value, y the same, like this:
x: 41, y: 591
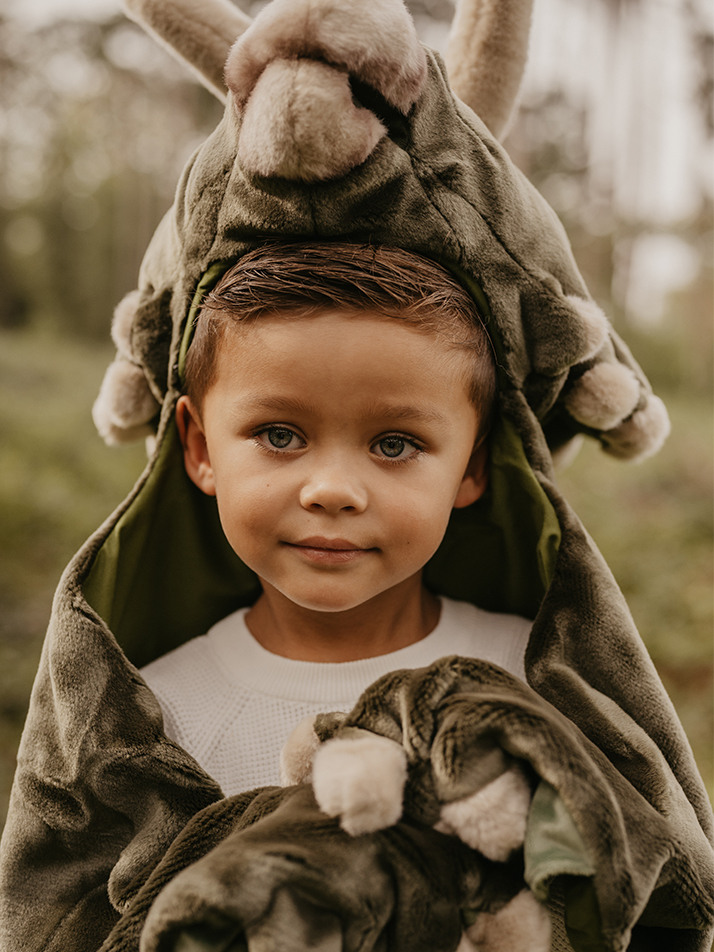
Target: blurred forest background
x: 616, y: 127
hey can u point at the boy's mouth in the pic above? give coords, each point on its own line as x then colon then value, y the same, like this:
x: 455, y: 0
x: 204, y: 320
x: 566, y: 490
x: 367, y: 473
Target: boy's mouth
x: 335, y: 551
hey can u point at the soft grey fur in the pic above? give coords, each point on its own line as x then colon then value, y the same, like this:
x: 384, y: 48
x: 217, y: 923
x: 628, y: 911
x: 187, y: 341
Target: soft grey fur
x: 486, y: 56
x: 107, y: 813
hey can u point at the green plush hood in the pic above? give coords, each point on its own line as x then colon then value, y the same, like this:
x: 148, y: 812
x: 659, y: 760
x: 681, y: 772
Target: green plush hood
x: 436, y: 183
x: 100, y: 793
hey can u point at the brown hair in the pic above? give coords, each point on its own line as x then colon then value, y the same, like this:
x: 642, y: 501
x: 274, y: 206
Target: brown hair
x: 302, y: 279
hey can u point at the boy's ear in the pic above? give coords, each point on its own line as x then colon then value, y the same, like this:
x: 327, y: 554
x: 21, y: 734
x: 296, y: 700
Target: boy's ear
x: 195, y: 449
x: 475, y: 480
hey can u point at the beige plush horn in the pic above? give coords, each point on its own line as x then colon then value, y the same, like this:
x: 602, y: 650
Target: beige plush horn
x: 199, y: 32
x: 486, y: 57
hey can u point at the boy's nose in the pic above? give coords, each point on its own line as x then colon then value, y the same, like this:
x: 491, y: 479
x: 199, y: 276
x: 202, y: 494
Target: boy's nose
x: 333, y: 489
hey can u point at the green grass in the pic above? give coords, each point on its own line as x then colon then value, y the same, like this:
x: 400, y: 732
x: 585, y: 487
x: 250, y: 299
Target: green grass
x: 653, y: 523
x: 58, y: 482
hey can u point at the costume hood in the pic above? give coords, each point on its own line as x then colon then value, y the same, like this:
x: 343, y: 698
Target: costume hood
x: 340, y: 125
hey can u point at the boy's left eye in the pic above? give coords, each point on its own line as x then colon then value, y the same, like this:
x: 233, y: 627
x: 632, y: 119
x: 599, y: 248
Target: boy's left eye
x: 394, y: 447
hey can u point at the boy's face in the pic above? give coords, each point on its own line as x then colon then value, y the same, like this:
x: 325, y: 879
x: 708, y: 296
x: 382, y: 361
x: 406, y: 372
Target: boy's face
x: 337, y: 446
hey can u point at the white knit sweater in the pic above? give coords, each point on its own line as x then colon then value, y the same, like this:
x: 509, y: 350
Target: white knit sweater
x: 231, y: 704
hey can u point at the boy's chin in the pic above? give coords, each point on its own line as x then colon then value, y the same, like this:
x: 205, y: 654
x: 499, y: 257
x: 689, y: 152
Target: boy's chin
x: 320, y: 604
x: 334, y: 600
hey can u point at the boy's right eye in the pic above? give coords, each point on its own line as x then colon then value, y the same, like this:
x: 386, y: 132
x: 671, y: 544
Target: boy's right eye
x: 280, y: 438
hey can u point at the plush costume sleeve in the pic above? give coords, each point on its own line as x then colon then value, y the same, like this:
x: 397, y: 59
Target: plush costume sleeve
x: 99, y: 793
x: 269, y: 870
x: 269, y: 867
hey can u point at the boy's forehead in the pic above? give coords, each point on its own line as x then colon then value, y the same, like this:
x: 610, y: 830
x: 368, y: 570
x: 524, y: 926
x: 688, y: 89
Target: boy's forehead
x: 288, y: 356
x: 280, y: 329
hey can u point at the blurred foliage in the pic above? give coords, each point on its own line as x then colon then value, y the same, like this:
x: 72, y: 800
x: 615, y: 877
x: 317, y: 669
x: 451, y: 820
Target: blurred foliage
x: 654, y: 524
x: 95, y: 124
x: 59, y: 482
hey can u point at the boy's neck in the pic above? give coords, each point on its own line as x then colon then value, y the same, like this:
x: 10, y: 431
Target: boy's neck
x: 390, y: 621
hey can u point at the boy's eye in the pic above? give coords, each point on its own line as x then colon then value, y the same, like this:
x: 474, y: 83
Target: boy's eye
x: 395, y: 447
x: 280, y: 438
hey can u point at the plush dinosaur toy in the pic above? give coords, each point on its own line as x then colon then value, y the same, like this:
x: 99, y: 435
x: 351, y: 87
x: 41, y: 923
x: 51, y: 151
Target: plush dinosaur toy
x: 360, y: 777
x: 468, y: 749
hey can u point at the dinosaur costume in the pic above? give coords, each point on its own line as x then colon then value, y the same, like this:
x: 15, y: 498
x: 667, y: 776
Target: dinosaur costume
x: 339, y: 124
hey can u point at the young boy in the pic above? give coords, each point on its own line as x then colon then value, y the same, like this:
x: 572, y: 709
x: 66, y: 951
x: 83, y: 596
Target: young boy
x: 363, y: 492
x: 338, y: 405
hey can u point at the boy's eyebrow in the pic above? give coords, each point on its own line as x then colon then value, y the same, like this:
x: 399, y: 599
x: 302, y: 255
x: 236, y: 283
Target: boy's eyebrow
x: 404, y: 412
x: 383, y: 410
x: 275, y: 404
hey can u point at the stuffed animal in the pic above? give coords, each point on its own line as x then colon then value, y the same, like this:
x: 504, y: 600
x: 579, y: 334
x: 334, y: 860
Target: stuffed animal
x: 360, y: 777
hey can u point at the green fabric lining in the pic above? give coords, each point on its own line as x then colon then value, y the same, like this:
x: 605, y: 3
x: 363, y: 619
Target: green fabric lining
x: 582, y: 917
x: 166, y: 573
x: 204, y: 938
x: 515, y: 507
x: 500, y: 553
x: 205, y: 285
x: 554, y: 848
x: 553, y: 844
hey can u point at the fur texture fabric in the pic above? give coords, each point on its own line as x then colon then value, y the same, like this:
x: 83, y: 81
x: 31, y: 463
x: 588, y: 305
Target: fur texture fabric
x: 117, y: 840
x: 122, y: 324
x: 554, y: 335
x: 298, y: 753
x: 641, y: 434
x: 124, y: 406
x: 521, y: 924
x: 484, y: 798
x: 300, y: 123
x: 493, y: 819
x: 604, y: 396
x: 486, y: 56
x: 375, y: 43
x: 290, y: 79
x: 360, y: 779
x: 236, y: 877
x: 297, y: 121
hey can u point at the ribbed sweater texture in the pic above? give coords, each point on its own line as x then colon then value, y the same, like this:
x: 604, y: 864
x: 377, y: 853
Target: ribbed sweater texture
x: 232, y: 705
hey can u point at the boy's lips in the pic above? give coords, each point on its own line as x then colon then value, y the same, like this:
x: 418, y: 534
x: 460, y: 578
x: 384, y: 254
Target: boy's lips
x: 335, y: 551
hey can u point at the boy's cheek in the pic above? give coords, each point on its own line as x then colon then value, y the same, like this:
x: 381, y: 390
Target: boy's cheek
x: 254, y: 523
x: 421, y: 526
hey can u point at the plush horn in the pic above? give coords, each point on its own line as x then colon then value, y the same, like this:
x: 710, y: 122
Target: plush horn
x: 486, y: 57
x: 198, y: 32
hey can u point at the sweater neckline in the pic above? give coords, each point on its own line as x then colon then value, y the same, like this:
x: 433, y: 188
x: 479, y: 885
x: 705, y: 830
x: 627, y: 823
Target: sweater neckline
x: 246, y: 661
